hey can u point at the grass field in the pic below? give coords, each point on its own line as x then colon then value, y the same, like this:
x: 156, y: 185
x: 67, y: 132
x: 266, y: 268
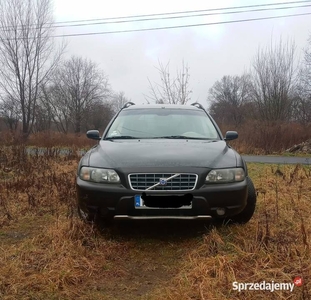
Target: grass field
x: 48, y: 253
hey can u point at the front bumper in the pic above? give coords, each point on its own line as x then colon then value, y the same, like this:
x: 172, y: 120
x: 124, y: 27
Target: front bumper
x: 117, y: 201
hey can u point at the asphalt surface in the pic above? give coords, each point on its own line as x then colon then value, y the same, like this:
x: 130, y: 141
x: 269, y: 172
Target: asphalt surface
x: 277, y: 159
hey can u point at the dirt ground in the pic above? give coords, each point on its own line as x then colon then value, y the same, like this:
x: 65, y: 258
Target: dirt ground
x: 149, y: 255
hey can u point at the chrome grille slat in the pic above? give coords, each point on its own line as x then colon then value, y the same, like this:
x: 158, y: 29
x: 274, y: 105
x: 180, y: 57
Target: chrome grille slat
x: 143, y: 181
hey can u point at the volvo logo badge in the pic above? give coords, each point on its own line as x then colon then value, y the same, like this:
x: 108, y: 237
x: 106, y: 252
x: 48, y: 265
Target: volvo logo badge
x: 163, y: 181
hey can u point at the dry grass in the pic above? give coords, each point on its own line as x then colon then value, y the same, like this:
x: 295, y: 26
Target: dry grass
x: 47, y: 139
x: 48, y: 253
x: 257, y: 137
x: 274, y: 246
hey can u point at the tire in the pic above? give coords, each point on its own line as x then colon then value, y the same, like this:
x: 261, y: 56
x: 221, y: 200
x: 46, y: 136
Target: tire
x: 246, y: 214
x: 85, y: 215
x: 94, y: 218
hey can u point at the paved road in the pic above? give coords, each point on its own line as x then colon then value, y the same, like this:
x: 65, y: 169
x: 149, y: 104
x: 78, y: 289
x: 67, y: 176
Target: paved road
x: 277, y: 159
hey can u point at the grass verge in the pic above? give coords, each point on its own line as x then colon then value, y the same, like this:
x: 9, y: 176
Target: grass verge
x: 48, y: 253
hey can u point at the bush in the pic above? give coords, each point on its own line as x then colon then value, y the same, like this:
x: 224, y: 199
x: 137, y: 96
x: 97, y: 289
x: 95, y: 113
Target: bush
x: 266, y: 138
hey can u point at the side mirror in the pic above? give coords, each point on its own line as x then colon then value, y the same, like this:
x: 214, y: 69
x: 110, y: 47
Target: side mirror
x: 231, y: 135
x: 93, y: 134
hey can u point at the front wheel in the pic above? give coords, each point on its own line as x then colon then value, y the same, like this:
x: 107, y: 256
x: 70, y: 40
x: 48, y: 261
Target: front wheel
x: 99, y: 221
x: 86, y: 216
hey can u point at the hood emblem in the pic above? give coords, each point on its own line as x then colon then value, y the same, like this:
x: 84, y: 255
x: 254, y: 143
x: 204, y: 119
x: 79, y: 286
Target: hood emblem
x: 163, y: 181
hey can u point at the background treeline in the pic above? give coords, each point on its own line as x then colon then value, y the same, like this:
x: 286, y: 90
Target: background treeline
x: 42, y: 91
x: 270, y: 105
x: 77, y: 97
x: 40, y: 88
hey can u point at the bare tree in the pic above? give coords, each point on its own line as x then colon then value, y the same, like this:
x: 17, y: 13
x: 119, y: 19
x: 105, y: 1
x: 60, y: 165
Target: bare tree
x: 27, y: 55
x: 274, y: 81
x: 171, y: 90
x: 9, y: 111
x: 99, y: 115
x: 118, y: 100
x: 228, y: 98
x: 77, y: 85
x: 44, y: 115
x: 303, y: 100
x: 53, y: 101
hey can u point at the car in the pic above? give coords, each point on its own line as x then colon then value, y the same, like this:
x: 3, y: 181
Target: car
x: 164, y: 161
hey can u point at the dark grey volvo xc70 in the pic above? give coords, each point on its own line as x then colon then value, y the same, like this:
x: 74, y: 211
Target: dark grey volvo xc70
x: 164, y: 161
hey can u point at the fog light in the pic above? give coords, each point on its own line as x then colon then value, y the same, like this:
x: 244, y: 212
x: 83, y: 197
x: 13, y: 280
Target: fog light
x: 220, y: 211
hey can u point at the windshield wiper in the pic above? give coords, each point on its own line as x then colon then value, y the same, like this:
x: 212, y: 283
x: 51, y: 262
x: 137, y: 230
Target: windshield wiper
x: 118, y: 137
x: 180, y: 137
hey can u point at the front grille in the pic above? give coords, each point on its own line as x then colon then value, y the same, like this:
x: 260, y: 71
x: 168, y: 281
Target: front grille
x: 182, y: 182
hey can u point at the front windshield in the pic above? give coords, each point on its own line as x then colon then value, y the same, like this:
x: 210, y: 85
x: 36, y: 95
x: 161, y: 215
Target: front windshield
x: 162, y: 123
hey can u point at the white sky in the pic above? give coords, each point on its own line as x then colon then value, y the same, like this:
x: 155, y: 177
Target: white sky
x: 211, y: 52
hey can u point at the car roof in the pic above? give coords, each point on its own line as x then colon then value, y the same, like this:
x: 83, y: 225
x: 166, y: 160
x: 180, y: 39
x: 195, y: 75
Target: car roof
x: 154, y: 106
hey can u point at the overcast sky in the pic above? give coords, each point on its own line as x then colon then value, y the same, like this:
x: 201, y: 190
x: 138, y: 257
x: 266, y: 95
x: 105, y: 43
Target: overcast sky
x: 212, y: 51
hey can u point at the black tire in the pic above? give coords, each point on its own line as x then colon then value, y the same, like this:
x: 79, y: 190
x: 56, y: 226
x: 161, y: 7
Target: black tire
x: 94, y: 218
x: 86, y: 216
x: 246, y: 214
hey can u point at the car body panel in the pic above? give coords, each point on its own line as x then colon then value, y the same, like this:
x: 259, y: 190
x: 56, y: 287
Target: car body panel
x: 118, y: 199
x: 162, y: 153
x: 164, y: 156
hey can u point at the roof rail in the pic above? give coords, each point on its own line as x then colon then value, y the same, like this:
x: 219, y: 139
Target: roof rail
x: 198, y: 105
x: 128, y: 104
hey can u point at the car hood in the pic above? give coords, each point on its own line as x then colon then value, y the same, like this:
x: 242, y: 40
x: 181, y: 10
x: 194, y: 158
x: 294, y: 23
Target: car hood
x: 161, y: 153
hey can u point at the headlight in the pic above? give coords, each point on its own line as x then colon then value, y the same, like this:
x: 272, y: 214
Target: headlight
x: 99, y: 175
x: 225, y: 175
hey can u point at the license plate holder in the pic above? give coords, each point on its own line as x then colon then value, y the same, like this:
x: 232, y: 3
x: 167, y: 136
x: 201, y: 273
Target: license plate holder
x: 139, y: 204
